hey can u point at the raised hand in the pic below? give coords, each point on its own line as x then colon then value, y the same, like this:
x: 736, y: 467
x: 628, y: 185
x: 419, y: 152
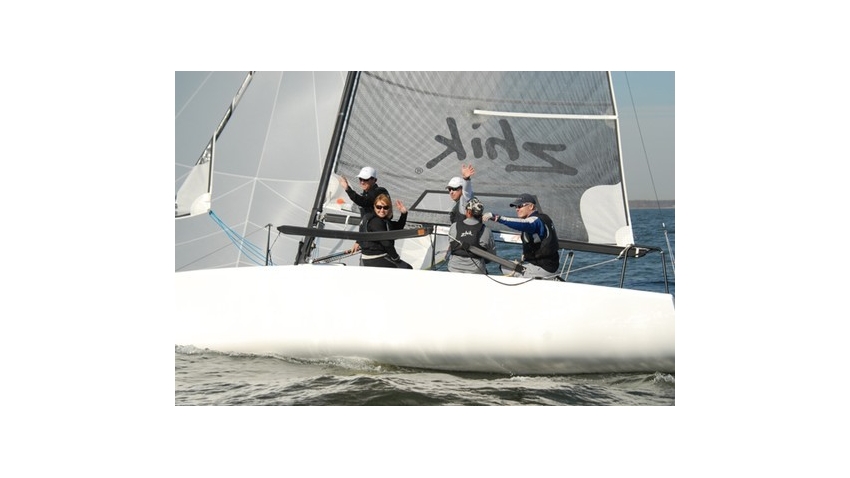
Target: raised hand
x: 467, y: 171
x: 400, y: 206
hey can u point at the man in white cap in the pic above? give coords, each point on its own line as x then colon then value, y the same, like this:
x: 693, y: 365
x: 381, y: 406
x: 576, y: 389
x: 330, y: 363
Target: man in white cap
x: 460, y: 190
x: 369, y: 183
x: 540, y: 246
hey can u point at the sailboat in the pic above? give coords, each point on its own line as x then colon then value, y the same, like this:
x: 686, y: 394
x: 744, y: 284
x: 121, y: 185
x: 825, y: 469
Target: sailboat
x: 553, y: 134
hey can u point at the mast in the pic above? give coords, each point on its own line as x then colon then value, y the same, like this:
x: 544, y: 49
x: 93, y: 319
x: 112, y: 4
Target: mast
x: 333, y: 153
x: 620, y: 150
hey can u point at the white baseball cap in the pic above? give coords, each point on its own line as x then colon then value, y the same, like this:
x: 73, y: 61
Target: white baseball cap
x: 455, y: 182
x: 368, y: 172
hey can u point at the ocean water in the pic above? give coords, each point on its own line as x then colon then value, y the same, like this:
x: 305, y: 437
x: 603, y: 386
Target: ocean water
x: 206, y: 377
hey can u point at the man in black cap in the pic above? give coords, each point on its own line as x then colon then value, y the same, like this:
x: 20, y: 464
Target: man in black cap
x: 539, y: 239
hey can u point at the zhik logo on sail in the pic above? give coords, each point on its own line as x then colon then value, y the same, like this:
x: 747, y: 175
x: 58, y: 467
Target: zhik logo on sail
x: 508, y: 143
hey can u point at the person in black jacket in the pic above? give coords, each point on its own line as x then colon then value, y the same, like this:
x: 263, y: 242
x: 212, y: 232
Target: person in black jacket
x: 382, y: 253
x: 369, y: 182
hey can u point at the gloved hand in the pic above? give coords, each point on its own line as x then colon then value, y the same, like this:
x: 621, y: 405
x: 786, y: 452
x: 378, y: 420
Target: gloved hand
x: 487, y: 216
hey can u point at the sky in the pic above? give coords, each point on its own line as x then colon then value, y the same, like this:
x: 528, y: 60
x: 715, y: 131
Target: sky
x: 646, y: 107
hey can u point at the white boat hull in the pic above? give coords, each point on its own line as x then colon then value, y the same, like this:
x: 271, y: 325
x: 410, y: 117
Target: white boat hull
x: 426, y: 319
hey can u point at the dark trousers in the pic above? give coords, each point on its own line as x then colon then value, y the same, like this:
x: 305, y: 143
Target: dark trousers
x: 385, y: 262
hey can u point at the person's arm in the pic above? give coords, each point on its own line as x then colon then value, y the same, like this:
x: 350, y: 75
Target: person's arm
x: 531, y: 224
x: 466, y: 172
x: 402, y: 220
x: 486, y: 242
x: 452, y: 239
x: 362, y: 201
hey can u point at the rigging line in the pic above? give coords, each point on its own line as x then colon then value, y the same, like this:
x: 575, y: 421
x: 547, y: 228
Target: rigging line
x: 590, y: 266
x: 667, y: 238
x: 250, y: 250
x: 232, y: 233
x: 493, y: 278
x: 649, y: 169
x: 642, y: 143
x: 211, y: 253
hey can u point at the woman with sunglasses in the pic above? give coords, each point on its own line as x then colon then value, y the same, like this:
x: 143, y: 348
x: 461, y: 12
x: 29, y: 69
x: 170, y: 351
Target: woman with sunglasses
x: 540, y: 247
x: 382, y: 253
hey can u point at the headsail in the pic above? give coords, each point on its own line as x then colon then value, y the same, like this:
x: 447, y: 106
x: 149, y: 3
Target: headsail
x: 552, y: 134
x: 195, y: 195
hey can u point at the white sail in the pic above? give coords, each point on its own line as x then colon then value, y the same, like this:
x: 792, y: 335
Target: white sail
x: 267, y: 160
x: 195, y: 195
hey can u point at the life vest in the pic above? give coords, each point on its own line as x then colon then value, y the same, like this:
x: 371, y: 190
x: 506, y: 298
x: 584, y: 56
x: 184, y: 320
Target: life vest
x: 542, y: 253
x: 370, y: 248
x: 468, y: 236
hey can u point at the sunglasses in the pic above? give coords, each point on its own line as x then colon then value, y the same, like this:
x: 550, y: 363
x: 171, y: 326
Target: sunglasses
x: 520, y: 206
x: 364, y: 180
x: 453, y: 189
x: 378, y: 206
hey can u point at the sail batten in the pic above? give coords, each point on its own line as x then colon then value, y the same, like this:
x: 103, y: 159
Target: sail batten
x: 520, y: 114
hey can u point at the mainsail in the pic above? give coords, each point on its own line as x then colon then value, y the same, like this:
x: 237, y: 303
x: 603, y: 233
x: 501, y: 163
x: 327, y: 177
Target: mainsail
x: 551, y: 134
